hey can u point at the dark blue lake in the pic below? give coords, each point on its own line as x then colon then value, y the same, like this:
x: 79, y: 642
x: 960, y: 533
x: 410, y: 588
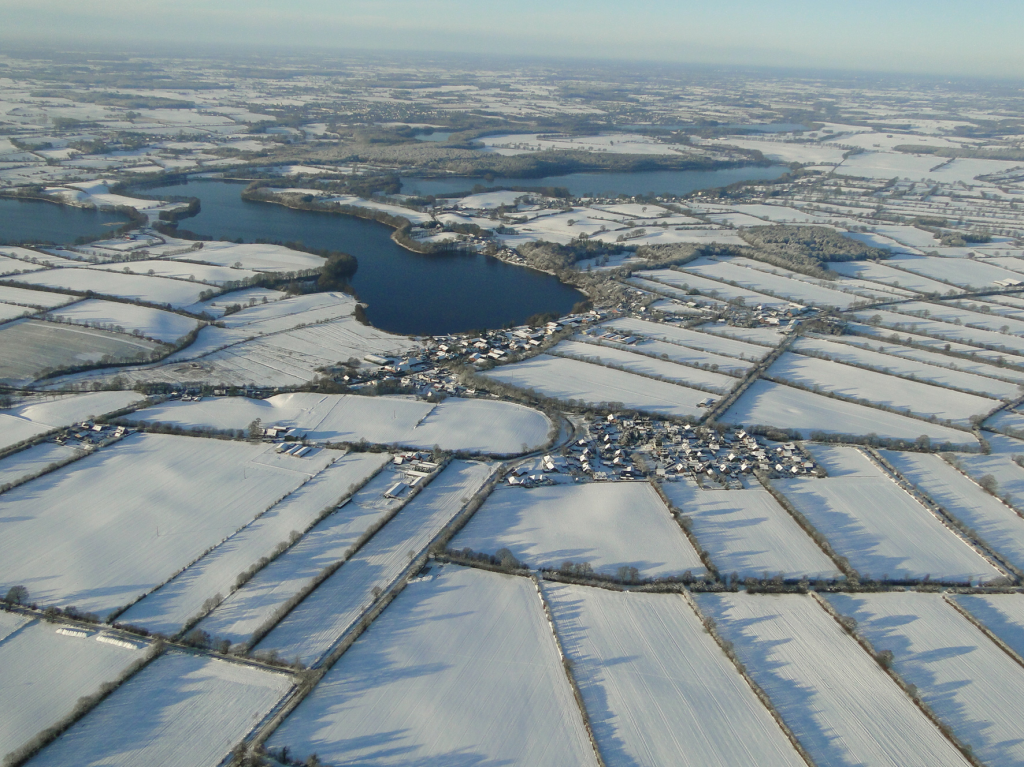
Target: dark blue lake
x: 40, y: 221
x: 407, y: 292
x: 601, y: 184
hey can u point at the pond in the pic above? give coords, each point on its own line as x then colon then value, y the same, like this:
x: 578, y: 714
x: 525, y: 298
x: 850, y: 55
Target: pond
x: 408, y: 293
x: 601, y: 184
x: 40, y: 221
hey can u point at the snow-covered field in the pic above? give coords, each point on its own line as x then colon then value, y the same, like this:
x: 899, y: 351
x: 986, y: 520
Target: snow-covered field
x: 674, y: 334
x: 104, y: 530
x: 778, y: 285
x: 883, y: 531
x: 768, y: 403
x: 180, y: 711
x: 650, y: 675
x: 835, y: 698
x: 947, y: 331
x: 748, y: 533
x: 255, y: 256
x: 327, y: 542
x: 37, y: 299
x: 34, y: 460
x: 127, y: 318
x: 686, y: 280
x: 154, y: 290
x: 609, y: 525
x: 181, y: 270
x: 44, y: 413
x: 889, y: 275
x: 167, y: 608
x: 476, y: 425
x: 1002, y: 614
x: 684, y: 355
x: 922, y: 399
x: 621, y: 357
x: 929, y: 358
x: 12, y: 312
x: 566, y: 379
x: 43, y: 674
x: 995, y: 522
x: 312, y: 628
x: 461, y: 669
x: 33, y: 348
x: 968, y: 681
x: 904, y: 366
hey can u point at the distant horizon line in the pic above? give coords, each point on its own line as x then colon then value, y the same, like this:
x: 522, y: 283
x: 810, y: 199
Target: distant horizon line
x: 17, y: 47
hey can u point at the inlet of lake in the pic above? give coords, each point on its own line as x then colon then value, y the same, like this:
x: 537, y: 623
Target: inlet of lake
x: 40, y: 221
x: 408, y: 293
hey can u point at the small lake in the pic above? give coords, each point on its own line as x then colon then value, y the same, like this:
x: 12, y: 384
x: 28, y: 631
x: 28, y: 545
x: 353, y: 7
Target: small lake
x: 601, y: 184
x: 40, y: 221
x: 408, y: 293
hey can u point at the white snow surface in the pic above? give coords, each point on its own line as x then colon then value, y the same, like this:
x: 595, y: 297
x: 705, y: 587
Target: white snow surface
x: 312, y: 628
x: 769, y: 403
x: 244, y: 611
x: 179, y: 711
x: 649, y: 674
x: 104, y: 530
x: 995, y: 523
x: 419, y: 686
x: 968, y: 681
x: 38, y: 415
x: 43, y: 674
x: 748, y: 533
x: 921, y: 399
x: 688, y: 337
x: 844, y: 713
x: 151, y: 323
x: 1002, y: 614
x: 609, y: 525
x: 477, y: 425
x: 884, y: 531
x: 564, y: 379
x: 32, y: 461
x: 166, y: 609
x: 154, y: 290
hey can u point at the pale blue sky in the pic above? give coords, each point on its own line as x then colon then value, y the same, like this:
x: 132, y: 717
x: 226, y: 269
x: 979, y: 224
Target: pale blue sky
x: 954, y: 37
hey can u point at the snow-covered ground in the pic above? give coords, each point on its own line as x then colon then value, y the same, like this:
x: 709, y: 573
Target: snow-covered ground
x: 650, y: 674
x: 609, y: 525
x: 180, y: 270
x: 969, y: 682
x: 328, y: 542
x: 40, y: 414
x: 44, y: 673
x: 312, y: 628
x: 565, y: 379
x: 461, y: 669
x: 166, y: 609
x: 844, y: 713
x: 254, y: 256
x: 994, y: 522
x: 694, y: 339
x: 104, y: 530
x: 180, y: 711
x: 154, y: 290
x: 484, y: 426
x: 34, y: 460
x: 1002, y: 614
x: 36, y: 299
x: 641, y: 364
x: 772, y: 404
x: 908, y: 367
x: 921, y: 399
x: 130, y: 318
x: 746, y: 532
x: 883, y: 531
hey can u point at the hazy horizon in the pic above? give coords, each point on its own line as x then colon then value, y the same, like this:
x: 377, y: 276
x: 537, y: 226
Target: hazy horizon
x: 941, y: 37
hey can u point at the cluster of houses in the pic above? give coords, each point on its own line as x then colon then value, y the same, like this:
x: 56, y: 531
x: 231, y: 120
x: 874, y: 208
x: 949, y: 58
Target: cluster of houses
x: 413, y: 468
x: 87, y: 435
